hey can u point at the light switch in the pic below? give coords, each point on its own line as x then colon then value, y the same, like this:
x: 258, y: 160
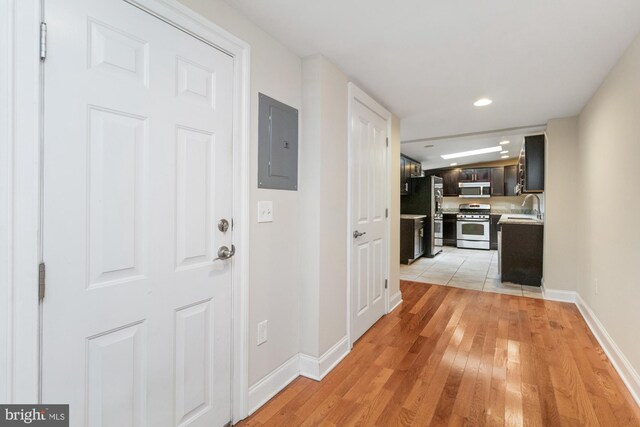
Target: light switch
x: 265, y: 211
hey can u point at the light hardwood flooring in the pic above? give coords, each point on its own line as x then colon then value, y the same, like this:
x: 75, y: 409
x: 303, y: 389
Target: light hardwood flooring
x: 452, y: 356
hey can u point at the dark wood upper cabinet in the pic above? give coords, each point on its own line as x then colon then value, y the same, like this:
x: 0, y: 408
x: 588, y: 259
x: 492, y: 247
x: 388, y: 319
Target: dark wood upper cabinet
x: 510, y: 180
x: 475, y: 175
x: 483, y: 175
x: 403, y: 176
x: 450, y: 179
x: 531, y: 165
x: 467, y: 175
x: 497, y: 181
x: 409, y: 168
x: 534, y: 164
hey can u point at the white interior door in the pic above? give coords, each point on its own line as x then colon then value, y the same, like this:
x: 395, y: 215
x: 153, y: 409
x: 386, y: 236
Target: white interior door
x: 368, y: 170
x: 138, y: 170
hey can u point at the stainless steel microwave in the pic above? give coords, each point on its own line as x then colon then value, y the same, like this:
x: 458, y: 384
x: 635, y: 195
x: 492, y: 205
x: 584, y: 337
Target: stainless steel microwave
x: 474, y: 189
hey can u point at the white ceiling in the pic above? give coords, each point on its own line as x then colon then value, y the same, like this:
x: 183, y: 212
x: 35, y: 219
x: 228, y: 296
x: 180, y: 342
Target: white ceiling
x: 428, y: 152
x: 429, y: 60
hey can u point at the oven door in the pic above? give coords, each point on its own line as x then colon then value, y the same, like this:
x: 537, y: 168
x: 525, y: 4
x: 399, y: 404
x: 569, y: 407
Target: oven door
x: 473, y: 230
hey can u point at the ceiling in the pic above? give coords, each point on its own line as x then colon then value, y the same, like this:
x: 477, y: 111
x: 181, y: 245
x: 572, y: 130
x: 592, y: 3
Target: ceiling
x: 429, y: 60
x: 428, y: 152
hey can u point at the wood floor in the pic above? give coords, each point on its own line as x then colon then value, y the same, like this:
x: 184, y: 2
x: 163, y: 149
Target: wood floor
x: 452, y: 356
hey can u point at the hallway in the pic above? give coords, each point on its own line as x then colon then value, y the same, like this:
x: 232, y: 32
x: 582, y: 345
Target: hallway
x: 461, y: 357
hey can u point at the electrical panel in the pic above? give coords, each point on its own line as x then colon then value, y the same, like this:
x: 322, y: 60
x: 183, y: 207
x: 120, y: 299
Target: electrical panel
x: 277, y: 145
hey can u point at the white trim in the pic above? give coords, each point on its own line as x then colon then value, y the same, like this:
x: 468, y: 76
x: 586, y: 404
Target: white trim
x: 355, y: 94
x: 21, y: 82
x: 558, y: 295
x: 387, y: 299
x: 20, y: 185
x: 299, y: 364
x: 6, y: 154
x: 617, y: 358
x: 317, y: 368
x: 273, y: 383
x: 395, y: 300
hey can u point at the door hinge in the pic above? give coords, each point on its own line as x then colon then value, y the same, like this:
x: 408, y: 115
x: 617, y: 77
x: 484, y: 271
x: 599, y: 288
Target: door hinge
x: 387, y: 141
x: 386, y: 213
x: 43, y: 40
x: 386, y: 283
x: 41, y: 280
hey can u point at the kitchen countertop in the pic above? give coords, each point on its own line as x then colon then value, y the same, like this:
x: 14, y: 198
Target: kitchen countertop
x: 409, y: 216
x: 527, y: 219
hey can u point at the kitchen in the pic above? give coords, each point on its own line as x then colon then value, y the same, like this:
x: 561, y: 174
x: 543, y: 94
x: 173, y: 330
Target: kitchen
x: 474, y: 224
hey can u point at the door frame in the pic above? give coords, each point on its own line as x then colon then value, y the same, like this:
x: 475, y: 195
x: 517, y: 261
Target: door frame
x: 21, y: 106
x: 355, y: 94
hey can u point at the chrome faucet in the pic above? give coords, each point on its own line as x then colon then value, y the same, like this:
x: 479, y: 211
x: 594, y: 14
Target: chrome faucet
x: 536, y: 211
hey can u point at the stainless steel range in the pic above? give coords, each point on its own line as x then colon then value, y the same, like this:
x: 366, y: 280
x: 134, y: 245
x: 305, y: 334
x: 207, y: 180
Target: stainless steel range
x: 473, y: 226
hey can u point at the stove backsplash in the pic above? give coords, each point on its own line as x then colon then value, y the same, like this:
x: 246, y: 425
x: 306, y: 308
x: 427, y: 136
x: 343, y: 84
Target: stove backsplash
x: 498, y: 204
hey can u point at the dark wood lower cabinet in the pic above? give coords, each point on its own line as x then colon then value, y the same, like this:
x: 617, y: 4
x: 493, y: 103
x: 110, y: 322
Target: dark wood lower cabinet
x: 449, y: 229
x: 493, y: 231
x: 411, y: 239
x: 521, y: 254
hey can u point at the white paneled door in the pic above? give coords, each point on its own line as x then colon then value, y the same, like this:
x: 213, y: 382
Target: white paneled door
x: 137, y: 174
x: 368, y: 176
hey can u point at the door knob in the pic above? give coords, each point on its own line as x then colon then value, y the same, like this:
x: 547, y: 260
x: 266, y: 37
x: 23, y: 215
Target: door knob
x: 357, y: 234
x: 225, y: 253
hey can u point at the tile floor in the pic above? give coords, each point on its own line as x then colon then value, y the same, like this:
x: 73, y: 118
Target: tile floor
x: 465, y: 268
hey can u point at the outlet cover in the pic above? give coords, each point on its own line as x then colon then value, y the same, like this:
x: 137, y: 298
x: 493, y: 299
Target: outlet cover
x: 262, y: 332
x: 265, y: 211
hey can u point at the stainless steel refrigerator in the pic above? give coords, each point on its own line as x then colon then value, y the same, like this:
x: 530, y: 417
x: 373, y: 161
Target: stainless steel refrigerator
x: 425, y: 198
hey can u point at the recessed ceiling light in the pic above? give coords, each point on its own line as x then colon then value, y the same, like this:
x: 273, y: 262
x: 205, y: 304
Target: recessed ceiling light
x: 482, y: 102
x: 471, y: 153
x: 453, y: 164
x: 428, y: 146
x: 505, y: 157
x: 504, y: 142
x: 504, y: 152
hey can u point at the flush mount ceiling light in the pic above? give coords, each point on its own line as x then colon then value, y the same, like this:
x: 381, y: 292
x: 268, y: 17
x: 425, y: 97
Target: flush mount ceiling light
x: 453, y: 164
x: 482, y: 102
x: 428, y: 146
x: 505, y: 142
x: 505, y: 157
x: 471, y: 153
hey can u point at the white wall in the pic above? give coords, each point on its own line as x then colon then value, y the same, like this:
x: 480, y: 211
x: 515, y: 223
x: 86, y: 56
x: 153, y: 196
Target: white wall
x: 323, y: 184
x: 274, y: 279
x: 562, y: 201
x: 609, y: 150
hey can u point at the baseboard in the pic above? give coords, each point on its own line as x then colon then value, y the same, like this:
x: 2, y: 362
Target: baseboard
x: 317, y: 368
x: 394, y: 301
x: 619, y: 361
x: 270, y: 385
x: 558, y: 295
